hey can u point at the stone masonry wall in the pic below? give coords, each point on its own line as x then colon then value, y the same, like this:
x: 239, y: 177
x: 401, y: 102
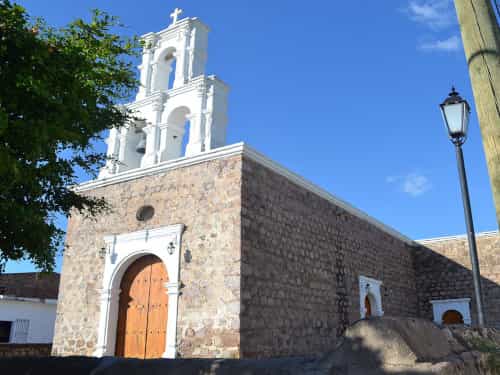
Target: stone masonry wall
x: 300, y: 262
x: 206, y: 198
x: 444, y: 272
x: 24, y: 350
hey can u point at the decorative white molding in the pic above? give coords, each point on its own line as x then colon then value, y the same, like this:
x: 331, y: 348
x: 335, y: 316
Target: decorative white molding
x: 161, y: 95
x: 149, y: 100
x: 234, y: 150
x: 491, y: 233
x: 462, y: 305
x: 121, y: 251
x: 172, y: 30
x: 371, y: 288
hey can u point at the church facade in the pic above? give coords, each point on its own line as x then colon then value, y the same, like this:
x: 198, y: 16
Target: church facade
x: 214, y: 250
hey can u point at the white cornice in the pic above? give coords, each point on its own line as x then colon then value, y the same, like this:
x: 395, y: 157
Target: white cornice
x: 491, y: 233
x: 246, y: 151
x: 445, y: 301
x: 199, y: 81
x: 218, y: 153
x: 153, y: 97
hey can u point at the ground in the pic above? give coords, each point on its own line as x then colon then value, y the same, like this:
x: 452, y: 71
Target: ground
x: 374, y: 346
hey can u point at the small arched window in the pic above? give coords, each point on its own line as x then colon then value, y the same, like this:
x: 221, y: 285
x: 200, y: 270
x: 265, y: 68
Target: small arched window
x: 453, y: 317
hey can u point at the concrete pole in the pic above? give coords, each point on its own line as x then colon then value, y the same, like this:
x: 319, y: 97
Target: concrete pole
x: 481, y: 39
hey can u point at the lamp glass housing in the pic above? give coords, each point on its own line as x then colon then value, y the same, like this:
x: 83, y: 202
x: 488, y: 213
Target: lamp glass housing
x: 455, y: 111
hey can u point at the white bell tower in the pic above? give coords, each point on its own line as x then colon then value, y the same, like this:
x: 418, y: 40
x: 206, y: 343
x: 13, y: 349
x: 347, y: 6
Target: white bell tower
x: 175, y: 98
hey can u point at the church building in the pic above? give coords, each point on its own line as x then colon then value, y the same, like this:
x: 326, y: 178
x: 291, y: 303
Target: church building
x: 214, y: 250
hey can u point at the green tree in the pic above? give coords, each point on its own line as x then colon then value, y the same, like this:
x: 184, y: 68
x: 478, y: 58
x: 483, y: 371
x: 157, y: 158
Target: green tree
x: 59, y: 90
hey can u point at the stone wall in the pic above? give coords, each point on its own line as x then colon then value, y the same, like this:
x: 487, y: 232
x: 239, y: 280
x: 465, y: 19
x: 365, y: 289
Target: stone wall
x: 268, y: 267
x: 444, y: 272
x: 206, y: 198
x: 300, y: 262
x: 24, y: 350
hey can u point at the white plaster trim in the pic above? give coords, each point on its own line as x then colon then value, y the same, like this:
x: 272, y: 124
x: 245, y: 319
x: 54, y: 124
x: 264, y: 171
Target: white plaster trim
x: 132, y: 174
x: 371, y: 287
x: 194, y: 84
x: 491, y: 233
x: 233, y: 150
x: 159, y: 96
x: 121, y: 251
x: 48, y: 301
x: 462, y: 305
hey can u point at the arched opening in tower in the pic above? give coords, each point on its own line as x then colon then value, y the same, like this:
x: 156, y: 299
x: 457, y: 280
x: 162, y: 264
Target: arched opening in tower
x: 176, y: 135
x: 164, y: 74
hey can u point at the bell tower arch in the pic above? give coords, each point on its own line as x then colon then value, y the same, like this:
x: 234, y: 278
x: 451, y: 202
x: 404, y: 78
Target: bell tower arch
x: 174, y: 91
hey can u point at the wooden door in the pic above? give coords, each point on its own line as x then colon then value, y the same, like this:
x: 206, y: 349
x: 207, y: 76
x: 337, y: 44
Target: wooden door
x: 368, y: 307
x: 157, y: 312
x: 142, y: 313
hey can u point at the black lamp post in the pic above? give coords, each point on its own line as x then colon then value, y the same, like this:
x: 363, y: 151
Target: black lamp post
x: 455, y: 112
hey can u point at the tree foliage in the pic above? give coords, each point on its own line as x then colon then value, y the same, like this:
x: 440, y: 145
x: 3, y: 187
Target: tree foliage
x: 59, y: 90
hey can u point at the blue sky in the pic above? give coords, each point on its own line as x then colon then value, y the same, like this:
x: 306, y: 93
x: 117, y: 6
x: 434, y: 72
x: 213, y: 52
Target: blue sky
x: 344, y: 93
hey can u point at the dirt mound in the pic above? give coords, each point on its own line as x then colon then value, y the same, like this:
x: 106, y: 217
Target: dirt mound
x: 413, y: 346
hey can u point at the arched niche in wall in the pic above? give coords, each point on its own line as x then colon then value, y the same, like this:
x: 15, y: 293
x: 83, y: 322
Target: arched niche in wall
x: 458, y: 305
x: 370, y: 297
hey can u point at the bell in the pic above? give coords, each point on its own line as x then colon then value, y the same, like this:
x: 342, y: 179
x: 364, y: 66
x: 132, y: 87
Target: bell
x: 141, y: 145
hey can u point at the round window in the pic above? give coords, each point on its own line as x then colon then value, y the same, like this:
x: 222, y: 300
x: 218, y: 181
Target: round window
x: 145, y: 213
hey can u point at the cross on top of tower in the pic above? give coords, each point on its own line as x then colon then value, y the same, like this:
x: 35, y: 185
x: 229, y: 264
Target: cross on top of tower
x: 175, y: 14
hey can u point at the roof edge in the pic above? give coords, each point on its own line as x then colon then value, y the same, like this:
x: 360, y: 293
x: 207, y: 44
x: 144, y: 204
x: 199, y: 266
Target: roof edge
x: 491, y: 233
x: 308, y: 185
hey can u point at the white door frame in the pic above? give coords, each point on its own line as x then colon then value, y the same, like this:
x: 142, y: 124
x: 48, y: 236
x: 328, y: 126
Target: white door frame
x: 121, y: 251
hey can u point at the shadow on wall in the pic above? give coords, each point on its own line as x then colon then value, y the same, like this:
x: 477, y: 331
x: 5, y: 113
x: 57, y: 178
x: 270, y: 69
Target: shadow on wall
x: 441, y: 278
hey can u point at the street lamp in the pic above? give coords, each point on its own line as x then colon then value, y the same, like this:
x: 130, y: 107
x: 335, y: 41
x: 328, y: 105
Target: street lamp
x: 455, y: 112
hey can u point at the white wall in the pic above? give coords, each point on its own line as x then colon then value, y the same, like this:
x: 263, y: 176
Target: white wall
x: 41, y: 316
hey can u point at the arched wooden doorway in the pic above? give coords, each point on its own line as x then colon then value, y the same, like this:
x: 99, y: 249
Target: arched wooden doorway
x: 452, y: 317
x: 142, y: 312
x: 368, y: 307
